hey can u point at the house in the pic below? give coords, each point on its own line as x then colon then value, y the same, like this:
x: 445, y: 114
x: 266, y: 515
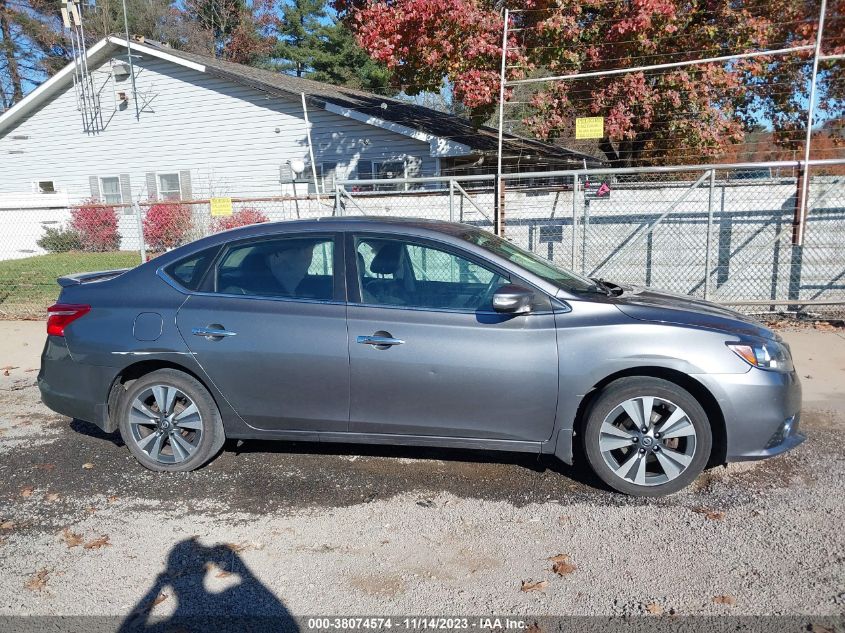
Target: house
x: 195, y: 127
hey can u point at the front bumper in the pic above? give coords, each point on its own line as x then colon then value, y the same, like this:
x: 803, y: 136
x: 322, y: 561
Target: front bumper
x: 73, y: 389
x: 756, y: 405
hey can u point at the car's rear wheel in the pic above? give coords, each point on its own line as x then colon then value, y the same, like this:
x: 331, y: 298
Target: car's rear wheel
x: 170, y: 422
x: 647, y: 437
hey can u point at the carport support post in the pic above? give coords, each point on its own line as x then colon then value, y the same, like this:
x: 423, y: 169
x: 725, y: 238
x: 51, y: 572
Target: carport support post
x: 709, y: 232
x: 141, y: 246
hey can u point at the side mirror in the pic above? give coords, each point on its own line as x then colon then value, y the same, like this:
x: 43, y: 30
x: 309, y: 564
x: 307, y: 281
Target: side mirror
x: 513, y: 299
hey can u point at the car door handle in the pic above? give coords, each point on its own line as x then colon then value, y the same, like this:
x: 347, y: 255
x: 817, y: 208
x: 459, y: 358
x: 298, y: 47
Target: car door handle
x: 211, y: 332
x: 378, y: 341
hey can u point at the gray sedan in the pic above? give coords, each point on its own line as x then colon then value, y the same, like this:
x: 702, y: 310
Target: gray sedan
x: 413, y: 332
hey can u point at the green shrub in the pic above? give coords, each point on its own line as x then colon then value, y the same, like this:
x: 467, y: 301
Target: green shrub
x: 59, y: 240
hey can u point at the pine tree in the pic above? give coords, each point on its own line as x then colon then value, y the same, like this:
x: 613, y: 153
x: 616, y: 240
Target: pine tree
x: 340, y: 61
x: 301, y: 36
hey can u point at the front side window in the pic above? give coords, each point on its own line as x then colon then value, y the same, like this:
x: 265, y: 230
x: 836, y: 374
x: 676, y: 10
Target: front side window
x: 290, y: 267
x: 169, y: 187
x: 396, y: 272
x: 110, y: 188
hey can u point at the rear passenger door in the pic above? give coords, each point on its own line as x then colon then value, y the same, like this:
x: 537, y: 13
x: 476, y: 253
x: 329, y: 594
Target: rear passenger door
x: 268, y: 327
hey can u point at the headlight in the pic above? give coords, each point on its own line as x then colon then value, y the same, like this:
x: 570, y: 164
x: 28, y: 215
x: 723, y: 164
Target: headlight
x: 768, y: 355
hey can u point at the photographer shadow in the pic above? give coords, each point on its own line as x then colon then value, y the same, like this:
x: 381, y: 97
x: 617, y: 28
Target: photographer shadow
x: 245, y: 604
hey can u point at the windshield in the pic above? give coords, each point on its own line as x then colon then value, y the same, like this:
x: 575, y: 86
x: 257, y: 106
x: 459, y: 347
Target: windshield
x: 543, y: 268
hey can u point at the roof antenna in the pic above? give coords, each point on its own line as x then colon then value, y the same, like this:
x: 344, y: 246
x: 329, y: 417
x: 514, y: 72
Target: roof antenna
x: 87, y: 99
x: 131, y: 66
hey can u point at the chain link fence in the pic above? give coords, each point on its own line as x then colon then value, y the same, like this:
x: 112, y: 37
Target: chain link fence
x: 723, y: 233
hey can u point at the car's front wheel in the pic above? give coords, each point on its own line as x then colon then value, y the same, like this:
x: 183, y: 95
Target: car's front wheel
x: 170, y: 422
x: 647, y: 437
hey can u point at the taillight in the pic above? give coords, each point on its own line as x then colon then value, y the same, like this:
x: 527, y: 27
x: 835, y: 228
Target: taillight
x: 60, y: 315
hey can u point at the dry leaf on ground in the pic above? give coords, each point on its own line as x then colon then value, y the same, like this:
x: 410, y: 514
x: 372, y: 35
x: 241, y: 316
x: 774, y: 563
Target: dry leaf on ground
x: 88, y: 465
x: 27, y: 491
x: 51, y: 497
x: 654, y: 608
x: 7, y: 525
x: 729, y: 600
x: 38, y: 580
x: 160, y: 598
x: 97, y: 543
x: 561, y: 565
x: 540, y: 585
x: 71, y: 539
x: 710, y: 514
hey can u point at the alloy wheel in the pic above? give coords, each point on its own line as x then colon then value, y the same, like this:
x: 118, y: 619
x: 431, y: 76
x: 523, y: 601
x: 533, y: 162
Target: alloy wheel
x: 647, y: 441
x: 165, y: 424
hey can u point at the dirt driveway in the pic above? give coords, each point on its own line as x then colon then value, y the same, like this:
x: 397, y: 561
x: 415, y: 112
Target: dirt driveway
x: 281, y: 528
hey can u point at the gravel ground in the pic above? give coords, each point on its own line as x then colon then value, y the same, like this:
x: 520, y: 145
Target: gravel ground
x: 277, y: 528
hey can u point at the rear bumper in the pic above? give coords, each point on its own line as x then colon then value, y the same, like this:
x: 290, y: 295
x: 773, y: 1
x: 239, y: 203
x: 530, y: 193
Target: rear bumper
x: 73, y: 389
x: 762, y: 412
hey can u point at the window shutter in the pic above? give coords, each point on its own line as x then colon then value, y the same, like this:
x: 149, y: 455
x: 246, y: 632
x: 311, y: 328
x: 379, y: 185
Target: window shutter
x: 126, y: 193
x: 152, y: 187
x: 95, y: 187
x: 185, y: 184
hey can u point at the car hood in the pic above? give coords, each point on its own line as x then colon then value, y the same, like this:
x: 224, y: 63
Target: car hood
x: 646, y: 304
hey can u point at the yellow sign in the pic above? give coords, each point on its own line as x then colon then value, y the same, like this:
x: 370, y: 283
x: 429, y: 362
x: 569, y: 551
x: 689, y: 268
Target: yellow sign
x: 589, y: 127
x: 221, y: 206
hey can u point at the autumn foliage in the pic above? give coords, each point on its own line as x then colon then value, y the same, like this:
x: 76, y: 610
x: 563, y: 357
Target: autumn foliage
x: 95, y: 226
x: 167, y: 225
x: 674, y: 114
x: 242, y: 217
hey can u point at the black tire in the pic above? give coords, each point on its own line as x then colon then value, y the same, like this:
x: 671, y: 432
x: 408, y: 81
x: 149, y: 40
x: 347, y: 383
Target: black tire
x: 668, y: 394
x: 208, y: 424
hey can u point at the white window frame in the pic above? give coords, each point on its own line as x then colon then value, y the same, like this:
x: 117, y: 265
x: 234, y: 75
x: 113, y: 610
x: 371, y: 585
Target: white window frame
x: 161, y: 194
x: 103, y: 190
x: 36, y: 186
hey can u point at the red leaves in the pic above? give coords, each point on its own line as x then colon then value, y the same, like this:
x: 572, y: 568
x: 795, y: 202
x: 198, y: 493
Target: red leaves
x: 667, y: 115
x: 242, y: 217
x: 423, y: 41
x: 96, y: 226
x: 166, y: 225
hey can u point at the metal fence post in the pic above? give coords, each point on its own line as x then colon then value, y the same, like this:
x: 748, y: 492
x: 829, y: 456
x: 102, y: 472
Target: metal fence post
x: 451, y: 200
x: 709, y: 233
x: 142, y: 247
x: 574, y: 218
x: 336, y: 210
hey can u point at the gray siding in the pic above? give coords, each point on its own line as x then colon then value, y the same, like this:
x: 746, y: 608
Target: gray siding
x: 231, y: 138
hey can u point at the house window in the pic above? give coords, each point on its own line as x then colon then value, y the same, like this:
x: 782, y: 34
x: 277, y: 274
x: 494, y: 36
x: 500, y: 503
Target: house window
x: 110, y: 190
x: 364, y: 171
x: 169, y: 187
x: 44, y: 186
x: 326, y: 176
x: 389, y: 170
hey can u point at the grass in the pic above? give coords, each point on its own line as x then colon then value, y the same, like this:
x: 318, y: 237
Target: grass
x: 28, y: 285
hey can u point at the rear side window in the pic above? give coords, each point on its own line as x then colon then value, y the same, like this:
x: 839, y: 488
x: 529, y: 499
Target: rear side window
x: 292, y: 267
x: 190, y: 271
